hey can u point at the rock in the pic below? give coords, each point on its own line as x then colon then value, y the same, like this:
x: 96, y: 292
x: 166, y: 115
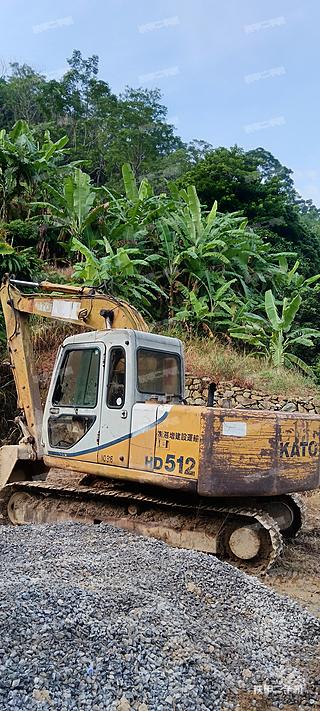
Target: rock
x: 226, y: 402
x: 42, y: 695
x: 242, y: 400
x: 193, y: 588
x: 267, y: 404
x: 161, y: 627
x: 228, y: 395
x: 289, y: 407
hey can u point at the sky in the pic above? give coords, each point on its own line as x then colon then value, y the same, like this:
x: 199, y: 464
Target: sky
x: 242, y: 72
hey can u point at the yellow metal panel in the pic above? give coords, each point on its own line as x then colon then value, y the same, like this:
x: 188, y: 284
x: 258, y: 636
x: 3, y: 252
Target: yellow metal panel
x: 298, y: 446
x: 258, y: 454
x: 178, y: 442
x: 244, y: 442
x: 116, y: 453
x: 142, y: 447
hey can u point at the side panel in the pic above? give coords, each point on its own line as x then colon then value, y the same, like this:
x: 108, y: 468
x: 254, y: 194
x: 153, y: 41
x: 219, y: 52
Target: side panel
x: 177, y: 442
x: 258, y: 454
x: 143, y: 437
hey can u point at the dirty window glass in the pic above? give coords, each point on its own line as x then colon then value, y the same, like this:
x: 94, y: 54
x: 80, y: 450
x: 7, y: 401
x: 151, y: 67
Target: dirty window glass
x: 66, y: 430
x: 117, y: 378
x: 159, y: 373
x: 77, y: 383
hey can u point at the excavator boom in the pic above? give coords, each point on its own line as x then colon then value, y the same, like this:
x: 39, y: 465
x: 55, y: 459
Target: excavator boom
x: 84, y: 306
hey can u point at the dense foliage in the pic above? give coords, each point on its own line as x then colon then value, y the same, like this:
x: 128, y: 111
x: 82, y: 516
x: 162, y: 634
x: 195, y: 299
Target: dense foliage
x: 98, y: 188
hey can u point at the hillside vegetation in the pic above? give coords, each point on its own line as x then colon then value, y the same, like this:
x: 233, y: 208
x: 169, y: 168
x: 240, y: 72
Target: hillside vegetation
x: 204, y: 357
x: 211, y: 242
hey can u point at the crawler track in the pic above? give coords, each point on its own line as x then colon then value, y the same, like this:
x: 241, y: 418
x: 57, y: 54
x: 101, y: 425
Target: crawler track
x: 245, y: 536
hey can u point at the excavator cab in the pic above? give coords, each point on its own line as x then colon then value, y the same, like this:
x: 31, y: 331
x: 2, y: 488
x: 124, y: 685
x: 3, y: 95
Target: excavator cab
x: 107, y: 387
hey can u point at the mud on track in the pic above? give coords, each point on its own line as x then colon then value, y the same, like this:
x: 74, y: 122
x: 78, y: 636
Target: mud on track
x: 297, y: 573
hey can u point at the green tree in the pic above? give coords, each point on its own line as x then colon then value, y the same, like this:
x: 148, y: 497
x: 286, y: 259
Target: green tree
x: 21, y: 95
x: 256, y: 183
x: 104, y: 130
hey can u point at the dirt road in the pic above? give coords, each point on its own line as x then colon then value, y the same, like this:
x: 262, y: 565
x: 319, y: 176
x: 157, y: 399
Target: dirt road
x: 297, y: 574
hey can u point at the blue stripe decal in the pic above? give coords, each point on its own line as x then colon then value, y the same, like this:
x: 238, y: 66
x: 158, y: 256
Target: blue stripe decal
x: 109, y: 444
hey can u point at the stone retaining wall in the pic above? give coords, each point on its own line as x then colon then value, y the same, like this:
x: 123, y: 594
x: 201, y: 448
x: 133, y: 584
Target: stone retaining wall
x: 229, y: 395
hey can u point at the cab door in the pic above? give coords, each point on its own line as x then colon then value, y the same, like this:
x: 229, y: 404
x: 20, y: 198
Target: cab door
x: 116, y: 407
x: 72, y: 414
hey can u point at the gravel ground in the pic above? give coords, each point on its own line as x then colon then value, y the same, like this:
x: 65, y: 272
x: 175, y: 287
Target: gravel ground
x: 96, y: 618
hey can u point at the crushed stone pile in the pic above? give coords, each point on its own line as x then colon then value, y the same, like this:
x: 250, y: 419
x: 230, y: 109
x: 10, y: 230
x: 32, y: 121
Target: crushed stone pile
x: 93, y: 617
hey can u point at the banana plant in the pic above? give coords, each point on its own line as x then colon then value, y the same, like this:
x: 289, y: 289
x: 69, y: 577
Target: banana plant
x: 5, y: 248
x: 117, y: 271
x: 220, y: 242
x: 23, y: 164
x: 186, y: 245
x: 196, y: 230
x: 195, y: 310
x: 274, y: 337
x: 206, y: 311
x: 133, y: 192
x: 131, y: 219
x: 74, y: 209
x: 170, y: 259
x: 291, y: 278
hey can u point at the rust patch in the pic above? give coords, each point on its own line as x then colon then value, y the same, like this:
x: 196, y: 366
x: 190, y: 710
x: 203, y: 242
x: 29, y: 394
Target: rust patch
x: 269, y: 454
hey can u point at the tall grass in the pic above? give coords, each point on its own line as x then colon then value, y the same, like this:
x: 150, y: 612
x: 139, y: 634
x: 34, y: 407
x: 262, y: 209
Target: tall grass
x: 210, y: 357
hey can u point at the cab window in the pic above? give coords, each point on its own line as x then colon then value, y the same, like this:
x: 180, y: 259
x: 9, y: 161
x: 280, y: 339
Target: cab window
x: 159, y: 373
x: 78, y: 378
x: 116, y: 378
x: 65, y: 430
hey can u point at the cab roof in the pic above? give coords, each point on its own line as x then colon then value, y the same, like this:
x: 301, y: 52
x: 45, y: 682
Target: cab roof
x: 138, y: 338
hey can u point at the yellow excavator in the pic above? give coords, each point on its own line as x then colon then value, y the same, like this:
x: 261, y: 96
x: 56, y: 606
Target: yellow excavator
x: 117, y: 442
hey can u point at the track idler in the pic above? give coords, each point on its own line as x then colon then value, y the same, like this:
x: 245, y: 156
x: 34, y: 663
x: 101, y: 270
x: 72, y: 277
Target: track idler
x: 288, y: 512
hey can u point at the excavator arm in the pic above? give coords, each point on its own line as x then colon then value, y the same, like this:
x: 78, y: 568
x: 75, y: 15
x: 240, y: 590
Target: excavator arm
x: 72, y: 304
